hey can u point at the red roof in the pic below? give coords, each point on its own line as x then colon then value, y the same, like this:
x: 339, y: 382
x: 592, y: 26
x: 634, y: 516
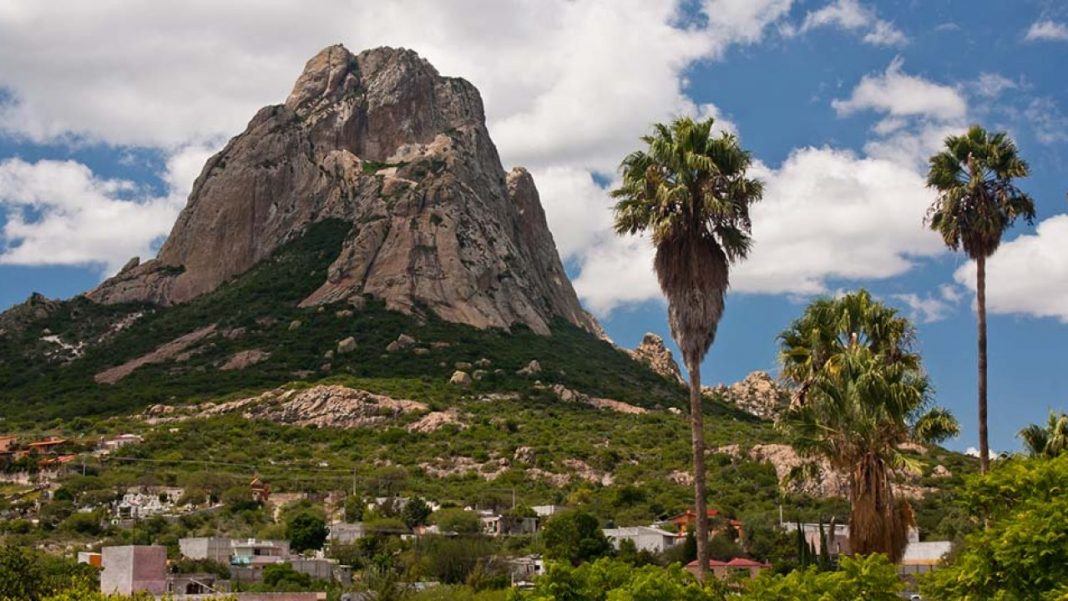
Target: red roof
x: 737, y: 562
x: 712, y: 563
x: 741, y: 562
x: 57, y: 460
x: 46, y: 442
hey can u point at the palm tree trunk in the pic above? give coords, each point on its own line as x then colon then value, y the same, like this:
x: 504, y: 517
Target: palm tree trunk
x: 980, y: 293
x: 697, y: 425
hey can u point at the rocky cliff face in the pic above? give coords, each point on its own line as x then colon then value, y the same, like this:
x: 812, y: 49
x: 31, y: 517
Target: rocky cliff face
x: 657, y: 356
x: 383, y: 141
x: 757, y: 394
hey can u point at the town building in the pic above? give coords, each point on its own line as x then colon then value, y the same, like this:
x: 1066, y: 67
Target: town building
x: 645, y: 538
x: 923, y: 557
x: 120, y: 441
x: 134, y: 568
x: 837, y: 536
x: 738, y: 567
x: 90, y: 558
x: 140, y: 503
x: 544, y: 511
x: 525, y: 569
x: 342, y: 533
x: 207, y: 547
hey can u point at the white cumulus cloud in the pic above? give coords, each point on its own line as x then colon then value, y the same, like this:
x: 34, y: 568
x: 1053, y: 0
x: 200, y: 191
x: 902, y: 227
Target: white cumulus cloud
x: 1047, y: 30
x: 851, y: 15
x: 1029, y: 274
x: 902, y: 95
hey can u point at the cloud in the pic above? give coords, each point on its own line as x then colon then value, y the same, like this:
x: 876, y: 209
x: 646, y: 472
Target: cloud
x: 899, y: 94
x: 58, y: 212
x: 1027, y: 275
x: 829, y: 214
x: 991, y: 85
x: 1047, y: 121
x: 930, y: 308
x: 173, y: 77
x: 851, y: 15
x: 1047, y: 30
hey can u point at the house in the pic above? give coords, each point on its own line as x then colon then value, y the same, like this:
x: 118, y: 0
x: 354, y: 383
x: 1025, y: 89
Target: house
x: 505, y: 525
x: 645, y: 538
x: 260, y: 490
x: 687, y: 520
x: 342, y: 533
x: 195, y: 584
x: 837, y: 536
x: 133, y: 569
x: 738, y: 567
x: 247, y: 551
x: 321, y: 568
x: 920, y: 558
x: 120, y: 441
x: 48, y: 445
x: 207, y: 547
x: 90, y: 558
x: 525, y: 569
x: 139, y: 503
x: 7, y: 444
x: 544, y: 511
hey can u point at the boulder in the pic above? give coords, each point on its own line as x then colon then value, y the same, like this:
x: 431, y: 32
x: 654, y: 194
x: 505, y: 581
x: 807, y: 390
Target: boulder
x: 346, y: 345
x: 460, y: 378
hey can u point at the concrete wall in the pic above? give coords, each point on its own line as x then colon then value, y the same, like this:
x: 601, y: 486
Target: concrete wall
x: 213, y: 548
x: 131, y: 569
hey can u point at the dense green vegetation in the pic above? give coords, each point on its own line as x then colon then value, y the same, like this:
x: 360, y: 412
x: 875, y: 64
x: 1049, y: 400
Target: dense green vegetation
x: 258, y: 310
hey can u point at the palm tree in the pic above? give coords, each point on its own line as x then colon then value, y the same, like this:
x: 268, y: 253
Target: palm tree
x: 864, y: 395
x: 977, y: 202
x: 1050, y: 441
x: 689, y: 189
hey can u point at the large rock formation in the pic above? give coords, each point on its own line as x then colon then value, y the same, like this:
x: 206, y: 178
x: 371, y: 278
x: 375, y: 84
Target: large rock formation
x: 657, y: 356
x: 383, y: 141
x: 757, y: 394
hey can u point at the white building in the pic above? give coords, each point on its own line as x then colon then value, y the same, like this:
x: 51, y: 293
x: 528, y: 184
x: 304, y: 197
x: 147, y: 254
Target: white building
x: 645, y: 538
x: 207, y: 547
x: 132, y: 569
x: 343, y: 533
x: 544, y: 511
x: 920, y: 558
x: 120, y: 441
x: 149, y: 501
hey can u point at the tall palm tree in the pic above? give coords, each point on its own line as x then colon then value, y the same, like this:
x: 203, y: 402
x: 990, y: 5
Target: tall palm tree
x: 864, y: 395
x: 690, y: 190
x: 977, y: 202
x: 1050, y: 441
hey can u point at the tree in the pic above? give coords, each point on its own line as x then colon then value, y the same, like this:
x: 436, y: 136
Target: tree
x: 690, y: 191
x: 977, y: 202
x: 574, y: 536
x: 1023, y: 551
x: 415, y: 513
x: 1050, y: 441
x: 862, y: 394
x: 460, y: 521
x: 306, y: 531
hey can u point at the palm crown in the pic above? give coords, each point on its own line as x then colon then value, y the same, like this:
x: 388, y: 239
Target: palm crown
x: 977, y: 200
x: 690, y: 190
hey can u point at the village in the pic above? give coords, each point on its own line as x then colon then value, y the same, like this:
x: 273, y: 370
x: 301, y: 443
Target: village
x: 214, y: 564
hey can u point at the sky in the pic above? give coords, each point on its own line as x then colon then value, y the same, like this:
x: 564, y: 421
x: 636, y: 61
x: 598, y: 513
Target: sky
x: 109, y: 109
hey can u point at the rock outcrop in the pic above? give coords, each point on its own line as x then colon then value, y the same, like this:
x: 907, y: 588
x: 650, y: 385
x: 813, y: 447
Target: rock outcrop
x: 653, y: 352
x: 384, y: 142
x: 757, y: 394
x: 322, y: 406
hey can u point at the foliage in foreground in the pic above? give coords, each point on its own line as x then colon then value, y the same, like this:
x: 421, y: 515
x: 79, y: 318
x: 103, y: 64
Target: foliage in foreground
x: 871, y: 578
x: 1023, y: 553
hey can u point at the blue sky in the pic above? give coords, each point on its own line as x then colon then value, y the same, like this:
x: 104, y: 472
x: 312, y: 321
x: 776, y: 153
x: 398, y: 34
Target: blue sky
x: 108, y: 112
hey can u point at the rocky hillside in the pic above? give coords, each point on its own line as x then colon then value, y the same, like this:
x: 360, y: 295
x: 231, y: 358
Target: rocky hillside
x: 382, y: 141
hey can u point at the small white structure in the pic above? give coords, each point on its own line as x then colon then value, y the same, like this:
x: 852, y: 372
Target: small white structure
x: 920, y: 558
x: 147, y: 502
x: 120, y: 441
x: 525, y: 569
x: 544, y: 511
x: 134, y: 568
x: 645, y: 538
x: 343, y: 533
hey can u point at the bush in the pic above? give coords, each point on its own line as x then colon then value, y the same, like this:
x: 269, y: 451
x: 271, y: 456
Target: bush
x: 1023, y: 552
x: 456, y: 520
x: 306, y: 531
x: 576, y: 537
